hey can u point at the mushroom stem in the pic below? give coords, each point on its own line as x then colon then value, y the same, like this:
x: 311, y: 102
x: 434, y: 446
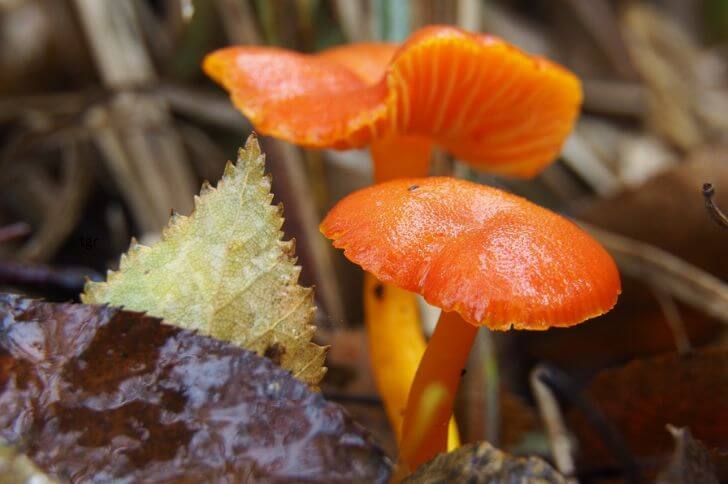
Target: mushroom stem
x: 442, y: 364
x: 396, y: 348
x: 401, y: 156
x: 391, y: 313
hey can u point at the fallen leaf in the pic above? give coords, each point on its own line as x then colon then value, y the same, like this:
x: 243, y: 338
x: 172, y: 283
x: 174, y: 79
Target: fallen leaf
x: 225, y: 272
x: 16, y: 468
x: 640, y: 398
x: 94, y: 393
x: 690, y: 461
x: 480, y: 462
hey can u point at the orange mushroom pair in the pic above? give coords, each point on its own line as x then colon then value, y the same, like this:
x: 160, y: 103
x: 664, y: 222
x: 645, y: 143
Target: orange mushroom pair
x: 478, y: 97
x: 486, y: 257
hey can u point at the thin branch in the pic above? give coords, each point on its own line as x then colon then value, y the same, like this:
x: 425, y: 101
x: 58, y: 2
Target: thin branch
x: 713, y: 209
x: 489, y: 360
x: 674, y: 320
x: 68, y: 279
x: 203, y: 106
x: 559, y: 439
x: 14, y: 231
x: 561, y: 383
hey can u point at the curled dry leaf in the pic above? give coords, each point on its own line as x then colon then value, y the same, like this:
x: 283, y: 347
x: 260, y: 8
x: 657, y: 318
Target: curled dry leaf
x: 640, y: 398
x: 94, y: 393
x: 480, y: 462
x: 225, y: 272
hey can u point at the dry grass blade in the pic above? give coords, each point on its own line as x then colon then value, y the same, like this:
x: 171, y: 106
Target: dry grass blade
x: 350, y: 14
x: 209, y: 107
x: 238, y: 19
x: 559, y: 439
x: 682, y: 280
x: 138, y: 126
x: 66, y: 210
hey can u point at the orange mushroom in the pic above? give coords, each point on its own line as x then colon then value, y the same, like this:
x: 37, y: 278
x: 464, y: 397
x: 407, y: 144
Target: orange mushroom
x: 480, y: 98
x: 486, y: 257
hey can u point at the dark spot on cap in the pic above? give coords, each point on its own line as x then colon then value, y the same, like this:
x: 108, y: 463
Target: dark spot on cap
x: 275, y: 352
x: 379, y: 291
x: 463, y: 372
x: 413, y: 187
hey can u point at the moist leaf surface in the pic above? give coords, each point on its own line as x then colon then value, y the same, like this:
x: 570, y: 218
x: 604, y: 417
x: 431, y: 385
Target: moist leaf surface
x: 97, y: 394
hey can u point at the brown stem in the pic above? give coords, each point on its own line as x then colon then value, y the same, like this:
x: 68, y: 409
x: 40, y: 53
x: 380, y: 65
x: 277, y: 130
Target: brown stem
x: 713, y: 209
x: 14, y: 231
x: 440, y: 368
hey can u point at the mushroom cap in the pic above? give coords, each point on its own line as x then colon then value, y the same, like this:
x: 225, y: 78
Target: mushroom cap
x: 368, y: 60
x: 479, y: 97
x: 305, y: 99
x: 495, y: 258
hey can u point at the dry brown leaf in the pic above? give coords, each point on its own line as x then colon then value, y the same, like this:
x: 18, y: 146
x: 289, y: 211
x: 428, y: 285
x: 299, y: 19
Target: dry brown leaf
x: 640, y: 398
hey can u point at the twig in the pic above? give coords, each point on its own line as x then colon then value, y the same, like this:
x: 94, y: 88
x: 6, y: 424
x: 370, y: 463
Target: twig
x: 470, y: 14
x: 286, y: 165
x: 238, y: 20
x: 581, y: 157
x: 682, y: 280
x: 601, y: 23
x: 350, y: 14
x: 713, y: 209
x: 204, y: 106
x: 674, y: 320
x: 617, y: 98
x: 559, y: 439
x: 62, y: 215
x: 560, y: 382
x: 492, y: 386
x: 68, y: 279
x: 14, y: 231
x: 140, y: 122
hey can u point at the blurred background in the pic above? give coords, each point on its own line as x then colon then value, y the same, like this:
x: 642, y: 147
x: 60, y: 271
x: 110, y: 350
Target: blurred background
x: 107, y: 124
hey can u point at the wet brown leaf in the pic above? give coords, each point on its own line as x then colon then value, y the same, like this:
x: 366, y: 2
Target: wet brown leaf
x: 640, y: 398
x: 93, y: 393
x: 480, y: 462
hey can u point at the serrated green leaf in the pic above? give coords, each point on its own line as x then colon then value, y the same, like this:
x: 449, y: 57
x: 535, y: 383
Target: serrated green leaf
x: 225, y: 272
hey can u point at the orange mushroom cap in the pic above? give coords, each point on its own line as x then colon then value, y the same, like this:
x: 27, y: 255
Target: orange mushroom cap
x: 368, y: 60
x: 495, y: 258
x: 484, y: 100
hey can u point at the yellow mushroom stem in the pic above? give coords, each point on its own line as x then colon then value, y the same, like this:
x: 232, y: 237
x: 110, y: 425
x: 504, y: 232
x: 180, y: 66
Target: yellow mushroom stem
x: 391, y: 314
x: 441, y: 367
x: 396, y: 348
